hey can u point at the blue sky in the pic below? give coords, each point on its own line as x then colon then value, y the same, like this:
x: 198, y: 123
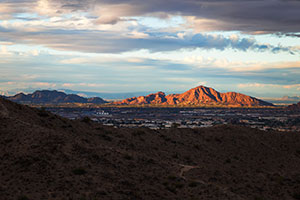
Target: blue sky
x: 129, y: 45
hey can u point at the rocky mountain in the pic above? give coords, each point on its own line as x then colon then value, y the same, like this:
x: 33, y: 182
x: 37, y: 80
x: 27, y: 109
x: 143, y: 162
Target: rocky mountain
x: 199, y: 96
x: 44, y: 156
x: 295, y: 107
x: 53, y: 97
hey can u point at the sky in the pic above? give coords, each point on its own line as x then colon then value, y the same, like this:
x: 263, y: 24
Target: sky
x: 248, y: 46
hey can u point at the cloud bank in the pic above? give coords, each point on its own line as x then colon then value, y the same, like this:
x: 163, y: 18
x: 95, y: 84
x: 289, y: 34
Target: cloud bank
x: 258, y: 16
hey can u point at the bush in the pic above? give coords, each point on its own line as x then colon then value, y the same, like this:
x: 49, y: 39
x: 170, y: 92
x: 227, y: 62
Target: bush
x: 86, y: 119
x: 128, y: 157
x: 23, y: 198
x: 193, y: 184
x: 296, y: 195
x: 79, y: 171
x: 172, y: 177
x: 43, y: 112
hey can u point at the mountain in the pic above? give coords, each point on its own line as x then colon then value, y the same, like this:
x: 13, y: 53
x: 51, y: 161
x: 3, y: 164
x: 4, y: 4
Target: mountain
x: 199, y: 96
x: 104, y: 95
x: 53, y: 97
x: 295, y: 107
x: 44, y: 156
x: 286, y: 100
x: 291, y: 98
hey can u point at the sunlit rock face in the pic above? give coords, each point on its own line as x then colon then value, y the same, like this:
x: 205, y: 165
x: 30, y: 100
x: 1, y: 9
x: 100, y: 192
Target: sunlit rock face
x: 200, y: 95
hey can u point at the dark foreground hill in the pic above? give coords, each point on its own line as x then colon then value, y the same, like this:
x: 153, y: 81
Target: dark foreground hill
x: 53, y: 97
x: 44, y: 156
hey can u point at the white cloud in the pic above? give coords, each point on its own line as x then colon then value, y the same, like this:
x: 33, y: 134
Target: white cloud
x: 4, y: 50
x: 266, y: 85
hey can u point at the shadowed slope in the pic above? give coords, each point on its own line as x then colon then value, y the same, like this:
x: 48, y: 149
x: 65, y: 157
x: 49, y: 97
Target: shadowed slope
x: 44, y: 156
x: 53, y: 97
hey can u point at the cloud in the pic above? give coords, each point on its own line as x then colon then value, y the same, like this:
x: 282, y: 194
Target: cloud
x: 113, y: 42
x: 102, y: 26
x: 264, y: 16
x: 266, y: 85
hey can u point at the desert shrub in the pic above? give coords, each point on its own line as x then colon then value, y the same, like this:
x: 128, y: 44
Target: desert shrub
x: 106, y: 137
x: 23, y: 197
x: 197, y: 146
x: 296, y: 195
x: 150, y: 161
x: 193, y: 184
x: 179, y: 185
x: 175, y: 155
x: 86, y: 119
x: 258, y: 198
x: 79, y: 171
x: 43, y: 112
x: 128, y: 157
x: 138, y: 133
x: 172, y: 177
x: 171, y: 189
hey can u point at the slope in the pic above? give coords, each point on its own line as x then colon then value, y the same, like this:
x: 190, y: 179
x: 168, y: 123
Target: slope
x: 44, y: 156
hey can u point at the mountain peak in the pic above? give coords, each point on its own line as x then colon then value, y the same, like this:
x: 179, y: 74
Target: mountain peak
x: 53, y: 97
x: 198, y: 96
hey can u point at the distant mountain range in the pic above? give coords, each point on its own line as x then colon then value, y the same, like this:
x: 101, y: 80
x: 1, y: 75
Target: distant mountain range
x: 53, y: 97
x: 199, y: 96
x: 105, y: 95
x: 87, y: 94
x: 286, y: 100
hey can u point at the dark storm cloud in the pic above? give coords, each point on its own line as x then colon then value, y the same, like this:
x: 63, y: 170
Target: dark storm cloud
x: 256, y: 16
x: 242, y: 15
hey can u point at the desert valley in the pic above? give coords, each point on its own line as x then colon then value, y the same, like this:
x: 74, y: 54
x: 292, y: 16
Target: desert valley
x: 149, y: 100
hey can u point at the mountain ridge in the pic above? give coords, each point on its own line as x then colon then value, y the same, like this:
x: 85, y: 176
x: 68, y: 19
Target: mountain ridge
x: 53, y: 97
x: 200, y: 95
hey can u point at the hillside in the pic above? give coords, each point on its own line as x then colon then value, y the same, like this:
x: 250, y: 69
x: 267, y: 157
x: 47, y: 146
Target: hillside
x: 53, y: 97
x: 295, y: 107
x: 44, y: 156
x: 199, y: 96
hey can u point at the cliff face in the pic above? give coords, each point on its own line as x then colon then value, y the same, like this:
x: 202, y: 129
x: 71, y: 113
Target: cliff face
x: 197, y: 96
x: 155, y: 98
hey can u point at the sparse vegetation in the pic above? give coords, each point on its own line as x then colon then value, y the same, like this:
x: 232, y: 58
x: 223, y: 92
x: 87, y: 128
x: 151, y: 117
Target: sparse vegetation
x: 23, y: 197
x: 172, y: 177
x: 296, y: 195
x: 86, y: 119
x: 43, y: 112
x: 193, y: 184
x: 110, y: 163
x: 79, y: 171
x: 128, y: 157
x: 138, y: 133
